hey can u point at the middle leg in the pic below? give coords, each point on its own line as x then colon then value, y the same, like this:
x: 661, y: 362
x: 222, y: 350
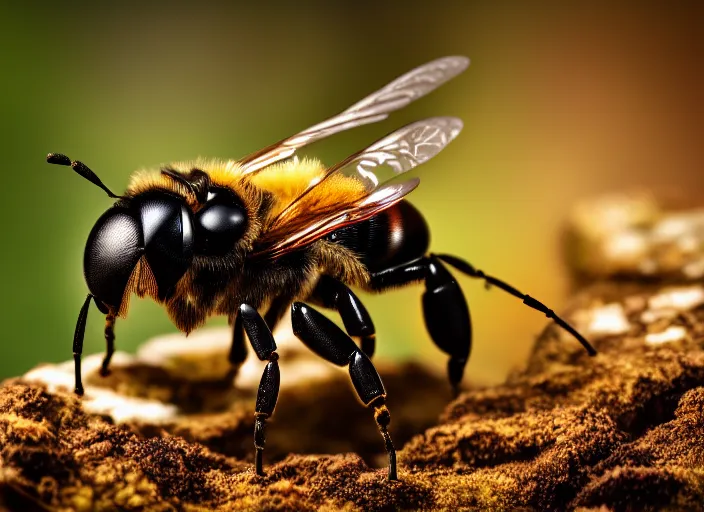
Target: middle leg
x: 238, y: 349
x: 334, y: 294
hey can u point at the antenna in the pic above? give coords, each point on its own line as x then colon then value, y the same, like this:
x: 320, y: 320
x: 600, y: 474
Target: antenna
x: 80, y: 168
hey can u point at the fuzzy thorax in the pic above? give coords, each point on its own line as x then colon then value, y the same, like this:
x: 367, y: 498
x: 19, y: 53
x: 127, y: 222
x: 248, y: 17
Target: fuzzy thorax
x: 284, y: 181
x: 213, y: 285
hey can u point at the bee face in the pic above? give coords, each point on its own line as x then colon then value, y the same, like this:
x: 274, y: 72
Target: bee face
x: 144, y: 244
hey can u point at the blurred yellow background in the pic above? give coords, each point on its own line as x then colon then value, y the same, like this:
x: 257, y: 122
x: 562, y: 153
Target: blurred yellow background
x: 563, y: 100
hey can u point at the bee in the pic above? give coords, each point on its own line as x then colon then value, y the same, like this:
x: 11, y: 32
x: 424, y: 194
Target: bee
x: 251, y: 238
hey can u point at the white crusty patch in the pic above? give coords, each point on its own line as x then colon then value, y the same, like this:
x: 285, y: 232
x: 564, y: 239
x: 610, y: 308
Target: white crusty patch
x: 203, y: 356
x: 606, y: 320
x: 103, y: 401
x: 671, y: 302
x: 669, y: 335
x: 681, y: 298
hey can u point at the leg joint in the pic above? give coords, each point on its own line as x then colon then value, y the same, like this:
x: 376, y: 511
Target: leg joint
x: 536, y: 304
x: 382, y: 416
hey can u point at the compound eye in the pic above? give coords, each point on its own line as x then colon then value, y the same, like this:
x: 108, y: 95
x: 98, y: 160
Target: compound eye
x: 220, y: 224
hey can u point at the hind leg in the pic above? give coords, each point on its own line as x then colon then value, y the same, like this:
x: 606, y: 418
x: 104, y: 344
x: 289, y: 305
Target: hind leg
x: 445, y: 308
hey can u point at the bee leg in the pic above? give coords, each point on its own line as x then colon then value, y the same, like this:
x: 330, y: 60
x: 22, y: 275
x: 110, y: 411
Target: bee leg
x: 238, y: 350
x: 445, y: 309
x: 529, y: 301
x: 447, y: 319
x: 264, y: 346
x: 109, y: 344
x: 276, y: 310
x: 78, y: 336
x: 327, y: 340
x: 332, y: 293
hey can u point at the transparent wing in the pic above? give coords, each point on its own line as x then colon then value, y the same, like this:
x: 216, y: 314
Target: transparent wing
x: 299, y: 224
x: 375, y: 107
x: 398, y: 152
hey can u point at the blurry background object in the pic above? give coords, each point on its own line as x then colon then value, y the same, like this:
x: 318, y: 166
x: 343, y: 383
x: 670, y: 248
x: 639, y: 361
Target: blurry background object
x: 562, y: 101
x: 630, y: 235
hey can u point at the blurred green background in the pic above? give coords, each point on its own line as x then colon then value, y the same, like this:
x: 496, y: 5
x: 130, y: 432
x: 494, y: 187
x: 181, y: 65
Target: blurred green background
x: 563, y: 100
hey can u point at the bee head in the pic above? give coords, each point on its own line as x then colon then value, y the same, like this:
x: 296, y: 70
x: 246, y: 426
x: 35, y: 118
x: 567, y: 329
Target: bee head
x: 144, y: 244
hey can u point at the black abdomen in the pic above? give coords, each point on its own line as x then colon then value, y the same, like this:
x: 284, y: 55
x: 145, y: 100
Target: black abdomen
x: 397, y: 235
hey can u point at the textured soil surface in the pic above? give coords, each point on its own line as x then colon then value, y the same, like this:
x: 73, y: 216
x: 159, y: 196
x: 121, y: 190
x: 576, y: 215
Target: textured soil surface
x: 620, y: 431
x: 623, y: 430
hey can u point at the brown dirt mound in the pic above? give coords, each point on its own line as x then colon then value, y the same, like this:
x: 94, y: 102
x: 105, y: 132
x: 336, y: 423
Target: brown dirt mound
x: 623, y: 430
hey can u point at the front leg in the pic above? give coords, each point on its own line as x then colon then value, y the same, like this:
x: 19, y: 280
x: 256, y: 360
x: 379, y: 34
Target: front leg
x: 79, y: 334
x: 264, y: 346
x: 109, y: 344
x: 327, y: 340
